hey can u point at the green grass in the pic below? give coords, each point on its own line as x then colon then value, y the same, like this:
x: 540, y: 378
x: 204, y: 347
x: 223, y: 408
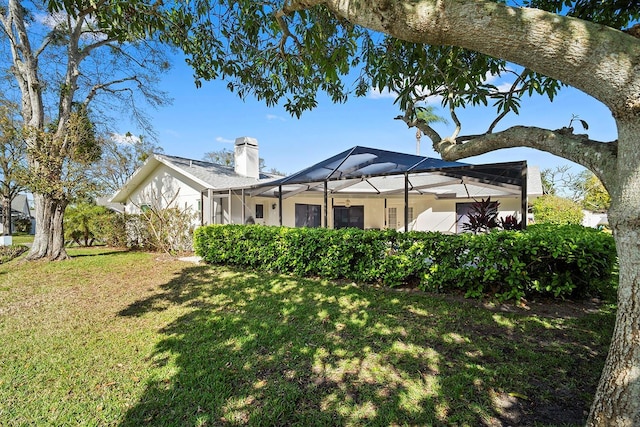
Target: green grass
x: 22, y: 239
x: 128, y: 339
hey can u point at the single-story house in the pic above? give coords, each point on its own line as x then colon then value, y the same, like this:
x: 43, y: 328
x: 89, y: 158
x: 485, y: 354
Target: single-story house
x: 360, y: 187
x: 19, y: 210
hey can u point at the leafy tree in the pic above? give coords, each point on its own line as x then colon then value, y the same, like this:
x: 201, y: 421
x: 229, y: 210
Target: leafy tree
x: 289, y: 51
x: 583, y: 187
x: 557, y: 180
x: 556, y: 210
x: 596, y: 197
x: 12, y: 163
x: 64, y: 57
x: 227, y: 158
x: 82, y: 223
x: 120, y: 158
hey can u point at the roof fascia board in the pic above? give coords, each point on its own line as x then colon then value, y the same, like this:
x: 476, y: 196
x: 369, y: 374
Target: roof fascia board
x: 137, y: 177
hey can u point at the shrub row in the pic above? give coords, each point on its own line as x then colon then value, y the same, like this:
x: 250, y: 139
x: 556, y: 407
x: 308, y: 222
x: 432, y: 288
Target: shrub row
x: 544, y: 260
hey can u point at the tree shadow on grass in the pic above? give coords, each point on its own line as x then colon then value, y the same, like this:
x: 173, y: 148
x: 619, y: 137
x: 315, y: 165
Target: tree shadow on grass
x: 98, y: 252
x: 262, y: 349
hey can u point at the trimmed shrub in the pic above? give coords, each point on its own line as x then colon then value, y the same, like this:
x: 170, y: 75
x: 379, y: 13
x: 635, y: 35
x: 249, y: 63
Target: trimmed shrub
x: 544, y: 260
x: 113, y: 229
x: 556, y: 210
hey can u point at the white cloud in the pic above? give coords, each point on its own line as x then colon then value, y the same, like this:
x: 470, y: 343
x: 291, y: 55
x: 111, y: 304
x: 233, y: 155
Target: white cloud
x: 374, y: 93
x: 56, y: 19
x: 224, y: 140
x: 435, y: 100
x: 126, y: 138
x: 51, y: 20
x: 274, y: 117
x: 504, y: 87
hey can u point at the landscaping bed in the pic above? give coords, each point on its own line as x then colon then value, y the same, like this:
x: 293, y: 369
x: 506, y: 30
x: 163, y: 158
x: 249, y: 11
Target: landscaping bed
x: 7, y: 253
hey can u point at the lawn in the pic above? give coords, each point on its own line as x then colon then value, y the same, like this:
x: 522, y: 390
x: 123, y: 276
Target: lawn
x: 130, y: 338
x: 22, y: 239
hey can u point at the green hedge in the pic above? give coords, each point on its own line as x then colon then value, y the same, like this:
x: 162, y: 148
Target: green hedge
x: 545, y: 260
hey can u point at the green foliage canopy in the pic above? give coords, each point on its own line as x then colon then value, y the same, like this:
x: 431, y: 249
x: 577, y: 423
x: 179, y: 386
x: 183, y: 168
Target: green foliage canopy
x: 82, y: 223
x: 289, y: 56
x: 556, y: 210
x: 596, y: 197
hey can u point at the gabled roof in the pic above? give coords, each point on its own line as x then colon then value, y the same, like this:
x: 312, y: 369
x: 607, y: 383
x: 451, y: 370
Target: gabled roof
x: 19, y: 206
x: 204, y: 174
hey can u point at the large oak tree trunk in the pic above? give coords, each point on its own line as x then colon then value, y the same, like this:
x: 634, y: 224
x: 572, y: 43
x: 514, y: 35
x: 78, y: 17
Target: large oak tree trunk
x: 49, y: 238
x: 617, y: 400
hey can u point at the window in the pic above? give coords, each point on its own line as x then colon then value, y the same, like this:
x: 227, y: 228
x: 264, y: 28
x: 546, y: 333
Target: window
x: 308, y: 215
x: 393, y: 220
x: 199, y: 205
x: 259, y: 211
x: 352, y: 216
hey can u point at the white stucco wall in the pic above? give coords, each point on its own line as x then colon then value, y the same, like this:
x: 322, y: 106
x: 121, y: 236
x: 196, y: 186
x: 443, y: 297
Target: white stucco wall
x: 440, y: 215
x: 163, y: 187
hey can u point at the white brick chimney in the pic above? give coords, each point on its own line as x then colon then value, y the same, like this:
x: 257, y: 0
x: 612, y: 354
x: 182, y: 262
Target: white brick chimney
x: 247, y: 159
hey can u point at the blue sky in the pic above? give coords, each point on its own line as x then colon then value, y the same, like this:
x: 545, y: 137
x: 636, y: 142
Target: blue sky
x: 211, y: 117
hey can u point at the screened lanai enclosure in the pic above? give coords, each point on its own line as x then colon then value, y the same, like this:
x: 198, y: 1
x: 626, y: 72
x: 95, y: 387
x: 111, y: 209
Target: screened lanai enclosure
x: 375, y: 189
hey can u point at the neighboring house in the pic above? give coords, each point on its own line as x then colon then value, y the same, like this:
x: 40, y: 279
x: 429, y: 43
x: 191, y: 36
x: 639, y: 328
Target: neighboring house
x: 594, y: 219
x: 19, y: 210
x: 360, y: 187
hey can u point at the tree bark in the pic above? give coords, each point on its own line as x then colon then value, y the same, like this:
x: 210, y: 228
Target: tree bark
x: 49, y: 237
x: 617, y: 399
